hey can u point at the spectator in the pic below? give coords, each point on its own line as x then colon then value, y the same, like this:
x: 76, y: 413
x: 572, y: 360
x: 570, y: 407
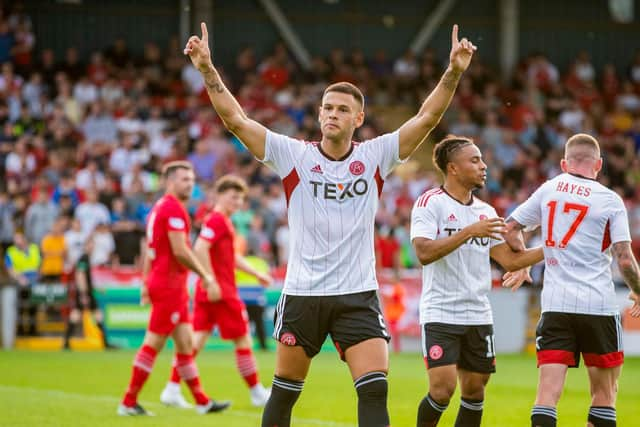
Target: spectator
x: 74, y: 239
x: 99, y: 130
x: 66, y: 187
x: 40, y: 217
x: 22, y: 262
x: 257, y: 240
x: 91, y: 212
x: 387, y: 249
x: 90, y: 177
x: 7, y: 41
x: 128, y: 237
x: 24, y: 42
x: 72, y: 66
x: 7, y: 228
x: 136, y: 173
x: 85, y: 91
x: 20, y: 167
x: 103, y: 245
x: 124, y: 157
x: 203, y: 161
x: 54, y: 252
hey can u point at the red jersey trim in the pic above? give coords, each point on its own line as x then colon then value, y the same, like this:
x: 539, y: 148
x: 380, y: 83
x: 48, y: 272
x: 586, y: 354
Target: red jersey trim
x: 608, y: 360
x: 290, y: 182
x: 606, y: 238
x: 379, y: 181
x: 422, y: 200
x: 562, y: 357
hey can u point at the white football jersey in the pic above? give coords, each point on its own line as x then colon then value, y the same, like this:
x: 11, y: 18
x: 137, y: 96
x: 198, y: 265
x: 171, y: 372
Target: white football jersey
x: 454, y: 288
x: 580, y: 219
x: 331, y: 209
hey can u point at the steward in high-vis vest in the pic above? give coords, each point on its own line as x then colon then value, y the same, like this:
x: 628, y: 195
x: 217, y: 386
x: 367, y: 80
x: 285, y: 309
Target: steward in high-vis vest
x: 22, y: 261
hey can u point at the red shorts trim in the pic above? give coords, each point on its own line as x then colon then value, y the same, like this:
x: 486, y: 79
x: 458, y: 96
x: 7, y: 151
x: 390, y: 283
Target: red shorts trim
x: 165, y: 316
x: 609, y: 360
x: 563, y: 357
x: 230, y: 315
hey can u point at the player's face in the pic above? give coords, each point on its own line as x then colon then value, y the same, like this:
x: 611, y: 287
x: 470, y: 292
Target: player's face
x: 231, y: 201
x: 340, y: 115
x: 183, y: 181
x: 469, y: 168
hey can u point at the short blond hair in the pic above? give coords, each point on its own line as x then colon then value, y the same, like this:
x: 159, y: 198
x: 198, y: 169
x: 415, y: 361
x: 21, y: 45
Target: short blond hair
x: 581, y: 140
x: 231, y: 182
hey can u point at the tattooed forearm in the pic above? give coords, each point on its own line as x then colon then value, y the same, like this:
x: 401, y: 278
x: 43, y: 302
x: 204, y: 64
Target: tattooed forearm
x: 437, y: 102
x: 450, y: 79
x: 628, y: 265
x: 213, y: 82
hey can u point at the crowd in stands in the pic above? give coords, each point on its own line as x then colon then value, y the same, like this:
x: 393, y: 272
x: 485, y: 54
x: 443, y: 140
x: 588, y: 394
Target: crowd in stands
x: 82, y: 139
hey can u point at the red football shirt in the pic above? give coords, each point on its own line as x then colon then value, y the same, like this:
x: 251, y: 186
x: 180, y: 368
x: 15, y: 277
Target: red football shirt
x: 219, y: 232
x: 167, y: 277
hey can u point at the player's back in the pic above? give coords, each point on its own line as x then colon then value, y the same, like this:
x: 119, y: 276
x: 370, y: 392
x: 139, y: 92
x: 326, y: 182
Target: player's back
x: 166, y: 275
x: 579, y: 219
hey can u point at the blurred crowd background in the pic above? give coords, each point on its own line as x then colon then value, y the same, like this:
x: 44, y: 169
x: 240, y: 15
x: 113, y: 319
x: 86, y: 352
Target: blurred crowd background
x: 84, y: 133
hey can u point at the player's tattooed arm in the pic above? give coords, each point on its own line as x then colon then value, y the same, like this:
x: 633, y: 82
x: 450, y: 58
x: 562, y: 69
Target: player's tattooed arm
x: 416, y: 129
x: 212, y: 81
x: 628, y: 265
x: 514, y: 237
x: 251, y: 133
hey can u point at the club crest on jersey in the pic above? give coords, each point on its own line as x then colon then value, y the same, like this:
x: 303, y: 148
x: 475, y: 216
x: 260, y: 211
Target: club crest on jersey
x: 175, y: 316
x: 288, y: 339
x: 483, y: 217
x: 436, y: 352
x: 551, y: 261
x: 356, y: 167
x: 331, y: 191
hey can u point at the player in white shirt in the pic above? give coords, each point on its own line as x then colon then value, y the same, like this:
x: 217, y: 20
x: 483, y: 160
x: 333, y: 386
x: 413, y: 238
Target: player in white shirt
x: 455, y: 235
x: 582, y: 224
x: 332, y: 189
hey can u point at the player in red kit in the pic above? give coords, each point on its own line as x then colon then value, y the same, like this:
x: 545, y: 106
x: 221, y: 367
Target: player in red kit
x: 168, y: 260
x: 220, y: 304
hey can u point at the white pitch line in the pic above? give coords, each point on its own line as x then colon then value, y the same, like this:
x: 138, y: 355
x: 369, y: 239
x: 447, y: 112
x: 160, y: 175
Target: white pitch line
x: 115, y: 400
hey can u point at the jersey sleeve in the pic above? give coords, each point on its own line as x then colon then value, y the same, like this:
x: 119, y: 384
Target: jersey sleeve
x: 529, y: 213
x: 213, y: 229
x: 386, y: 150
x: 176, y: 218
x: 281, y: 152
x: 619, y: 221
x: 424, y: 221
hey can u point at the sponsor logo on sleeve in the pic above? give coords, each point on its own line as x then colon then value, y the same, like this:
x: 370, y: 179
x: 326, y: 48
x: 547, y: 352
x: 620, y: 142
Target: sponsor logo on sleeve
x: 177, y: 223
x: 207, y: 233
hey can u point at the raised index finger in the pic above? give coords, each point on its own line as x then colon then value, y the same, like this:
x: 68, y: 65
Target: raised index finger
x: 205, y: 33
x: 454, y: 35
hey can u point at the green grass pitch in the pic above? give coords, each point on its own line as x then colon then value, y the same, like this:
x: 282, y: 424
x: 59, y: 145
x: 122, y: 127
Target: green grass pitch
x: 83, y: 389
